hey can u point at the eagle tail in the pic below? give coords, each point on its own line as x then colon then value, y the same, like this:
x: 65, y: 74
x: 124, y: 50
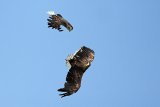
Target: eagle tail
x: 51, y: 13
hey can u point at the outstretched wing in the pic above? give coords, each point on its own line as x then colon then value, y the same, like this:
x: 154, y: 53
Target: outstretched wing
x: 79, y: 63
x: 73, y: 81
x: 55, y: 21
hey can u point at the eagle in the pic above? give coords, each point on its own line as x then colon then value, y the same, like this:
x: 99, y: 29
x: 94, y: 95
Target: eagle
x: 56, y: 20
x: 79, y: 62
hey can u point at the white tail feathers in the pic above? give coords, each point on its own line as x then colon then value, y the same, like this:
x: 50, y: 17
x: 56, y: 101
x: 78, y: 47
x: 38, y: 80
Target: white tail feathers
x: 51, y: 13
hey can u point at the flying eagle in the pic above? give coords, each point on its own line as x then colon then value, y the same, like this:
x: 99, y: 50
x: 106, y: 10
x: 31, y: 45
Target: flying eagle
x: 56, y: 20
x: 79, y: 63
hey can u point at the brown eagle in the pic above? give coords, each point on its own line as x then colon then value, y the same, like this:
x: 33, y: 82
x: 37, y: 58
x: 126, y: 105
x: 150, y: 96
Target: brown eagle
x: 56, y: 20
x: 79, y: 63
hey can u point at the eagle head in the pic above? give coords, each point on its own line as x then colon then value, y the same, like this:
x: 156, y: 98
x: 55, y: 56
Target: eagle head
x: 69, y: 27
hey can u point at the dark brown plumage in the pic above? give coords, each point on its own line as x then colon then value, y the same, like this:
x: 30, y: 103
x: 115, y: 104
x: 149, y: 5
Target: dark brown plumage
x: 79, y: 63
x: 55, y: 22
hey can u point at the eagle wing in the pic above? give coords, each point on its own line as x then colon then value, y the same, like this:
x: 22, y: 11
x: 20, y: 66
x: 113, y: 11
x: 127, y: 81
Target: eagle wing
x: 54, y: 22
x: 80, y: 62
x: 82, y: 58
x: 73, y: 81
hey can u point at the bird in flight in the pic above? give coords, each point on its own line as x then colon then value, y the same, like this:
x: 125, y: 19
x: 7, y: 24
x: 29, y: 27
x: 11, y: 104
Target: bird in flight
x: 79, y: 62
x: 56, y: 20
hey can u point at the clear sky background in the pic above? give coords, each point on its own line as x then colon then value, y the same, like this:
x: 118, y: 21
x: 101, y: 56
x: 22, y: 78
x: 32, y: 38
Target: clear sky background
x: 125, y: 35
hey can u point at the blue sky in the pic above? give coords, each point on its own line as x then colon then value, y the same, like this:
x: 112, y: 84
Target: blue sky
x: 125, y: 36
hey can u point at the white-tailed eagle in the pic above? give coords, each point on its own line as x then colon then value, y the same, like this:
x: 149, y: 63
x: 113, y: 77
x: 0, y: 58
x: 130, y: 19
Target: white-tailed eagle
x: 56, y: 20
x: 79, y: 63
